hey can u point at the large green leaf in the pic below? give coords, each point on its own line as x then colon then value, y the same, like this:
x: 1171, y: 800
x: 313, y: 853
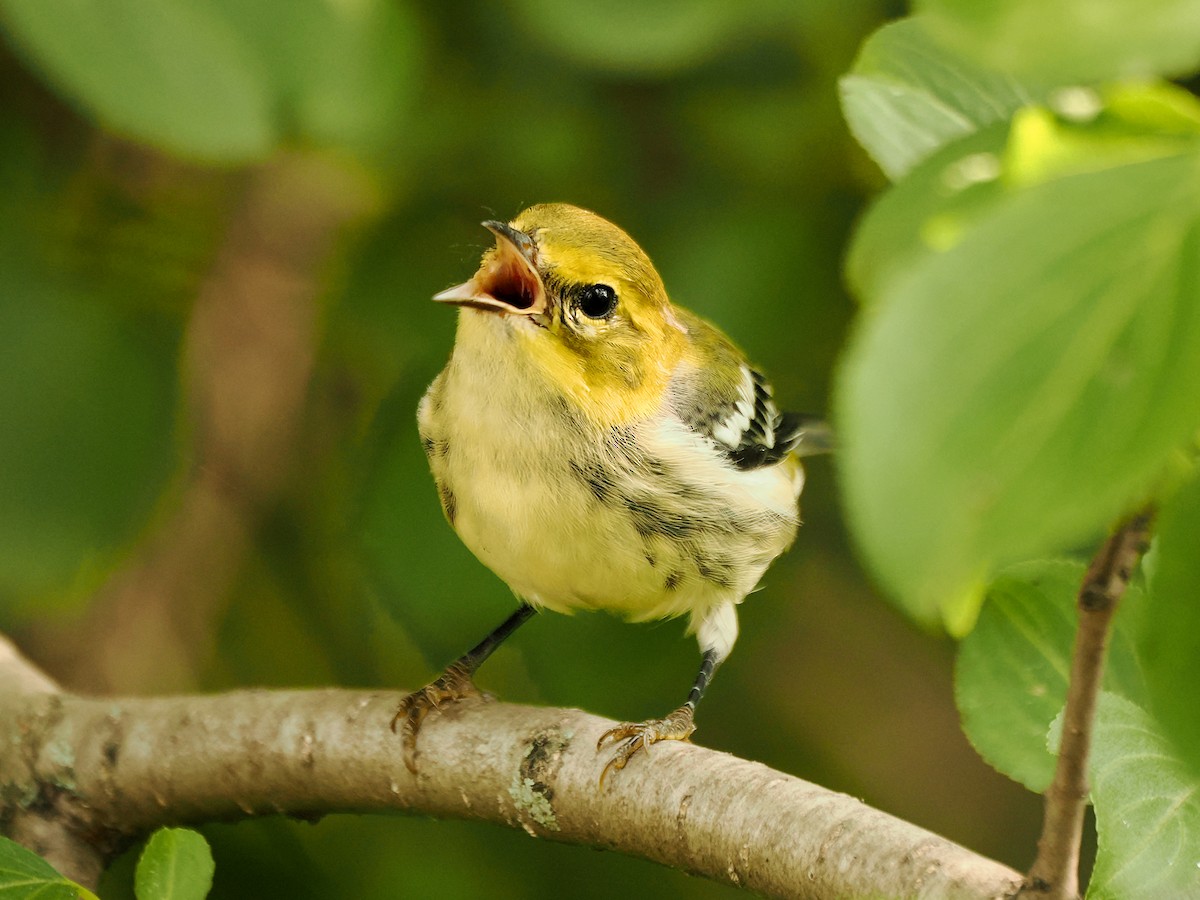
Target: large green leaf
x: 1073, y: 41
x: 927, y: 209
x: 26, y: 876
x: 175, y: 865
x: 1012, y: 669
x: 907, y: 96
x: 1022, y: 382
x: 1170, y: 642
x: 933, y: 206
x: 1147, y: 806
x: 170, y: 72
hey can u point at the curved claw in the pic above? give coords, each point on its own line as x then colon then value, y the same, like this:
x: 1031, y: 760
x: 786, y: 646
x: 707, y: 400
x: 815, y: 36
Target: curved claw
x: 451, y: 686
x: 616, y: 734
x: 638, y: 737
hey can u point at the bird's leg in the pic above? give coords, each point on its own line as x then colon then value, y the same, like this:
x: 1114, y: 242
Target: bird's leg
x: 452, y: 685
x: 677, y: 726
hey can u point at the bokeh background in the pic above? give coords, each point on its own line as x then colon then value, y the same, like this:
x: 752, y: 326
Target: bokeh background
x: 212, y: 347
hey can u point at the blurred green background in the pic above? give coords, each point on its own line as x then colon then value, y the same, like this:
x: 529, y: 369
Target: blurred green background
x: 220, y: 225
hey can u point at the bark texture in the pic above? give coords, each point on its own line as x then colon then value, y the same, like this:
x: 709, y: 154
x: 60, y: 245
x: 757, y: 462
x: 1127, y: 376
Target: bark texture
x: 113, y: 768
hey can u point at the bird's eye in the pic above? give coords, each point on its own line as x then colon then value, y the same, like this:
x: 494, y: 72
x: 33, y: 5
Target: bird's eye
x: 597, y: 301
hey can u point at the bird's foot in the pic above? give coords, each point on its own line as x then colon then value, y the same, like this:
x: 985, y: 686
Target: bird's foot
x: 451, y: 686
x: 638, y: 736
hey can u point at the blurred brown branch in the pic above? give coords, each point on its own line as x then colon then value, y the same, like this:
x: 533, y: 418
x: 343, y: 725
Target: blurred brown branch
x: 106, y: 770
x: 248, y: 358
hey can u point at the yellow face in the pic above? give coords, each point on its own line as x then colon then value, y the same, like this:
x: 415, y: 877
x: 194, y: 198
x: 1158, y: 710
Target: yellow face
x: 603, y: 329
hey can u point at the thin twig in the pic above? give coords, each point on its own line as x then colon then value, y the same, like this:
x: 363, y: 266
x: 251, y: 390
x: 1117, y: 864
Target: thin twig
x: 135, y: 763
x: 1055, y: 872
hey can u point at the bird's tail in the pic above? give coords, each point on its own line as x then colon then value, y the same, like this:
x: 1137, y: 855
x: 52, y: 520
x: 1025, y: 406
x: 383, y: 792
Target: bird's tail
x: 806, y: 435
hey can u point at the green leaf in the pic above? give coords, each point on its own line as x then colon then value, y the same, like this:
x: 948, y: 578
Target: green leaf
x: 1073, y: 41
x: 907, y: 96
x: 641, y: 36
x: 344, y: 73
x: 1100, y: 129
x: 1011, y: 673
x: 169, y: 72
x: 935, y: 204
x: 176, y: 865
x: 1147, y: 809
x: 926, y: 211
x: 1022, y: 382
x: 26, y: 876
x: 1170, y: 642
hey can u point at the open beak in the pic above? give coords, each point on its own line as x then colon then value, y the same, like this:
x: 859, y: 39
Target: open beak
x: 507, y: 280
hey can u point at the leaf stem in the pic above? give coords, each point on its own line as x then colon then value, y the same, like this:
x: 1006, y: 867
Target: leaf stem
x: 1055, y: 872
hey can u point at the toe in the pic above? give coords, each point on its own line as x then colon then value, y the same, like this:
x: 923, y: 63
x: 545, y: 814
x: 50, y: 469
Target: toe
x: 638, y: 737
x: 453, y: 685
x: 408, y: 740
x: 620, y: 733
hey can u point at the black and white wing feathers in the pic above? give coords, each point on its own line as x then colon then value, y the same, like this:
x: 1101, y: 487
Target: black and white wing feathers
x: 755, y: 433
x: 729, y: 402
x: 748, y: 428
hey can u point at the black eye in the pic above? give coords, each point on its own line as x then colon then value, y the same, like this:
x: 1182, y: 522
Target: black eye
x: 597, y: 301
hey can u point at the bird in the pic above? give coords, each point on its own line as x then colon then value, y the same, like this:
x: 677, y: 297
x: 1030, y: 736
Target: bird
x: 601, y: 448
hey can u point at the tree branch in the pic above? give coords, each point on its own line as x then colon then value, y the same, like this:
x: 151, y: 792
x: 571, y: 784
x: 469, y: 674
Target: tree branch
x: 19, y: 676
x: 1055, y: 872
x: 35, y: 819
x: 116, y: 768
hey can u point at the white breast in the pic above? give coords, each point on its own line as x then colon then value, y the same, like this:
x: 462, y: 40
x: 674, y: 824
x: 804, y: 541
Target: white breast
x: 647, y: 522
